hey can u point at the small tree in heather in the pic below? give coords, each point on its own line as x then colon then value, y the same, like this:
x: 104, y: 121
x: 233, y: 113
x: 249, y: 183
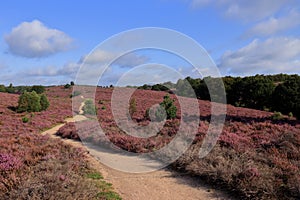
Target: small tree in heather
x: 67, y: 86
x: 89, y: 107
x: 30, y: 102
x: 44, y: 102
x: 132, y: 106
x: 168, y: 106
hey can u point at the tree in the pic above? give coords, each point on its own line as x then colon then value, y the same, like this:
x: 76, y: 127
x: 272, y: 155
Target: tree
x: 159, y: 87
x: 72, y: 83
x: 67, y: 86
x: 184, y: 88
x: 202, y: 91
x: 145, y: 87
x: 256, y: 92
x: 2, y: 88
x: 286, y: 97
x: 10, y: 88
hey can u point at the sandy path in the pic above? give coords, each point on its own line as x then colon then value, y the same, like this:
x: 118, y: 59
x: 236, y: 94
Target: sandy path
x: 162, y: 184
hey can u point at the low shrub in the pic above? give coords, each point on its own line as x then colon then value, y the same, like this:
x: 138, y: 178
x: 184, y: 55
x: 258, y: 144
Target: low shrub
x: 67, y: 86
x: 277, y: 116
x: 168, y: 106
x: 25, y: 119
x: 75, y: 93
x: 89, y: 107
x: 132, y: 106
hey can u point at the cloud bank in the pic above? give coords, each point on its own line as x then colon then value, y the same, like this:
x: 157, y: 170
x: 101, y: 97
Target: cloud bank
x: 273, y: 55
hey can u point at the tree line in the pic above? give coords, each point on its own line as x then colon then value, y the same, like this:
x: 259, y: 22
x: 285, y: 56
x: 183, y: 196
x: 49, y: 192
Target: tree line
x: 21, y: 89
x: 280, y: 92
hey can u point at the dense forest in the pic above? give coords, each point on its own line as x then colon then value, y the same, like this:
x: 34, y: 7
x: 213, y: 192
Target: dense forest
x: 280, y: 93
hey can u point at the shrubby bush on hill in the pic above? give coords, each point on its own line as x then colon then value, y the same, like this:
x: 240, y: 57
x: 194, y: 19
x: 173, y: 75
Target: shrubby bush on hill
x: 44, y: 102
x: 166, y: 107
x: 89, y: 107
x: 32, y: 102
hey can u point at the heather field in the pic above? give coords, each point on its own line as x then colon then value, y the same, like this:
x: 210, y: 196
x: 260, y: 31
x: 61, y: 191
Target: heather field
x: 35, y: 166
x: 256, y: 157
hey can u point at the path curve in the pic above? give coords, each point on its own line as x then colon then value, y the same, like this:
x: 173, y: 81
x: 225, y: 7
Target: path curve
x: 162, y: 184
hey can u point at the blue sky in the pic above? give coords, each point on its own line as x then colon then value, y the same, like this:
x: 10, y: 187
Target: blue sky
x: 44, y: 42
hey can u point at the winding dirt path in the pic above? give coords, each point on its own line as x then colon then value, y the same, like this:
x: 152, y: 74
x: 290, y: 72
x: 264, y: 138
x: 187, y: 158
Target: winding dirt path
x: 162, y: 184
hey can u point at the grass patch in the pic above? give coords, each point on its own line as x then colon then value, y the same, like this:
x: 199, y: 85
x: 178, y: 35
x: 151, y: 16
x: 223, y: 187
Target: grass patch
x: 109, y: 195
x: 94, y: 175
x: 106, y: 189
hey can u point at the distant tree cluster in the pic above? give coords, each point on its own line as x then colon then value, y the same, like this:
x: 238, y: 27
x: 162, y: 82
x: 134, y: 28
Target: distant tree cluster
x: 156, y: 87
x: 69, y: 85
x: 279, y: 92
x: 21, y: 89
x: 31, y: 98
x: 275, y: 93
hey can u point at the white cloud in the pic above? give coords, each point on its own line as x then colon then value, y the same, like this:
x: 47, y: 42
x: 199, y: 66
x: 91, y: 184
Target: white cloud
x: 105, y: 57
x: 34, y: 39
x: 274, y: 55
x: 243, y: 9
x: 274, y: 25
x: 68, y: 70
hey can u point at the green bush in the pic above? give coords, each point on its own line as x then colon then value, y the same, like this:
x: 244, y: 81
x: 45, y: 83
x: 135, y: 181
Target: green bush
x: 44, y: 102
x: 75, y: 93
x: 32, y: 102
x: 166, y: 109
x: 25, y: 119
x: 89, y: 107
x: 132, y: 106
x: 277, y: 116
x: 10, y: 88
x: 2, y: 88
x: 67, y: 86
